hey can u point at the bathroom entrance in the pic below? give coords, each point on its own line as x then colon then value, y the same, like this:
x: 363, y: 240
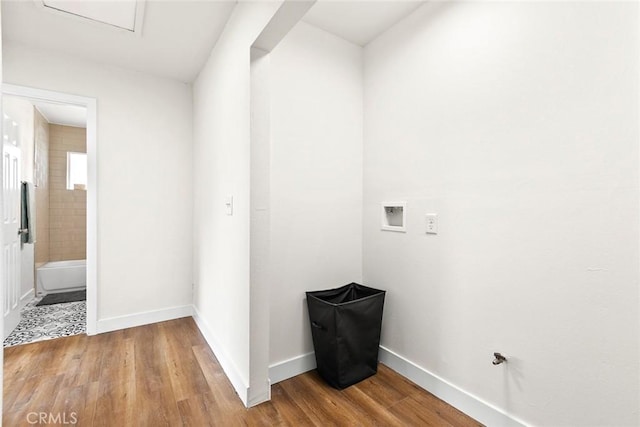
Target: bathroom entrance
x: 47, y: 294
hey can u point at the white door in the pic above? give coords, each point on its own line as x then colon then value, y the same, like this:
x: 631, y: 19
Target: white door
x: 10, y: 223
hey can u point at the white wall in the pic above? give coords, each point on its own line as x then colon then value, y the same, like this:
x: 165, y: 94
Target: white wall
x: 22, y: 111
x: 517, y: 123
x: 221, y: 160
x: 316, y: 178
x: 2, y: 281
x: 259, y: 233
x: 144, y: 176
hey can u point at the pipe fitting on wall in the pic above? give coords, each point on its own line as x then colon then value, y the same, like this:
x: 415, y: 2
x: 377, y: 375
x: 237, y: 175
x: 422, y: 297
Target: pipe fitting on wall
x: 498, y: 359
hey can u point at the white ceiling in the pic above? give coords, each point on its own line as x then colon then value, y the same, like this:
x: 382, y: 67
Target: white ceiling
x: 60, y: 114
x: 121, y: 14
x: 177, y: 35
x: 359, y: 21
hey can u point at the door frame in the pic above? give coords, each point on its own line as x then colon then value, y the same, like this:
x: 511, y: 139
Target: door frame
x: 92, y: 183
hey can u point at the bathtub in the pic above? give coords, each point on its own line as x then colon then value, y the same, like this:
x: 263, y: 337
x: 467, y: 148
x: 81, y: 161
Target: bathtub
x: 61, y: 276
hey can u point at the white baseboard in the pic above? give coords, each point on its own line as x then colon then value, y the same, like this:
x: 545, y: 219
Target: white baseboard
x: 28, y: 296
x: 290, y: 368
x: 454, y: 396
x: 263, y: 396
x: 471, y: 405
x: 229, y: 368
x: 144, y: 318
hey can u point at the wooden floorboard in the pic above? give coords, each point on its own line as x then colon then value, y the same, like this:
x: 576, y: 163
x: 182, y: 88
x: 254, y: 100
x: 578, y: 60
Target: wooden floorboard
x: 166, y: 375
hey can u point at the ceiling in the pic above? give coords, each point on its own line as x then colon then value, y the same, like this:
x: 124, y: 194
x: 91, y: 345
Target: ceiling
x: 177, y: 36
x: 176, y: 39
x: 59, y: 114
x: 359, y: 21
x: 120, y: 14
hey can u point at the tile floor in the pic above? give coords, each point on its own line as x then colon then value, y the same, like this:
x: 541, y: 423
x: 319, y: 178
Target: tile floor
x: 48, y: 322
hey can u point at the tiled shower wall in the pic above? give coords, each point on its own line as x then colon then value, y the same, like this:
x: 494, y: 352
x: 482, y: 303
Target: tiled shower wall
x: 41, y: 181
x: 67, y: 208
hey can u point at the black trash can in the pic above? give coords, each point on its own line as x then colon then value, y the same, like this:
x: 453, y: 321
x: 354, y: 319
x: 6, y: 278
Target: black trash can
x: 345, y: 326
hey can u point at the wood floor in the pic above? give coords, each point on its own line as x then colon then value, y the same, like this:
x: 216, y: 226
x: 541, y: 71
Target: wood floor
x: 165, y: 375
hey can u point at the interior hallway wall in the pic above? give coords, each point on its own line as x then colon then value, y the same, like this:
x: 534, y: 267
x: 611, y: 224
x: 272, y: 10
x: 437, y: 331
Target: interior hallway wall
x: 517, y: 123
x: 144, y: 178
x: 67, y: 208
x: 316, y: 178
x: 221, y: 169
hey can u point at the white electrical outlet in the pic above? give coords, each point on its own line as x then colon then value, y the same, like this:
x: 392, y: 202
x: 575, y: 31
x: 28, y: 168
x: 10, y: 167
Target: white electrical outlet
x: 432, y: 223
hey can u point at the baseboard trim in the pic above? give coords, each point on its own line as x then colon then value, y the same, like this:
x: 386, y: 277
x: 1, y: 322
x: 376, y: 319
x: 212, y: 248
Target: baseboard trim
x: 144, y: 318
x: 229, y: 368
x: 28, y: 296
x: 291, y: 367
x: 454, y: 396
x: 471, y: 405
x: 260, y: 398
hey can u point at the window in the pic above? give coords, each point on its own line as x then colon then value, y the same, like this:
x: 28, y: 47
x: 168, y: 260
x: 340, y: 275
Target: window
x: 76, y: 171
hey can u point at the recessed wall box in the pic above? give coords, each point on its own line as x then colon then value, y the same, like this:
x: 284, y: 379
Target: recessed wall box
x: 394, y: 216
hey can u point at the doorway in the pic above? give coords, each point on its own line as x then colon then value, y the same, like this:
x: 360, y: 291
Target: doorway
x: 28, y: 281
